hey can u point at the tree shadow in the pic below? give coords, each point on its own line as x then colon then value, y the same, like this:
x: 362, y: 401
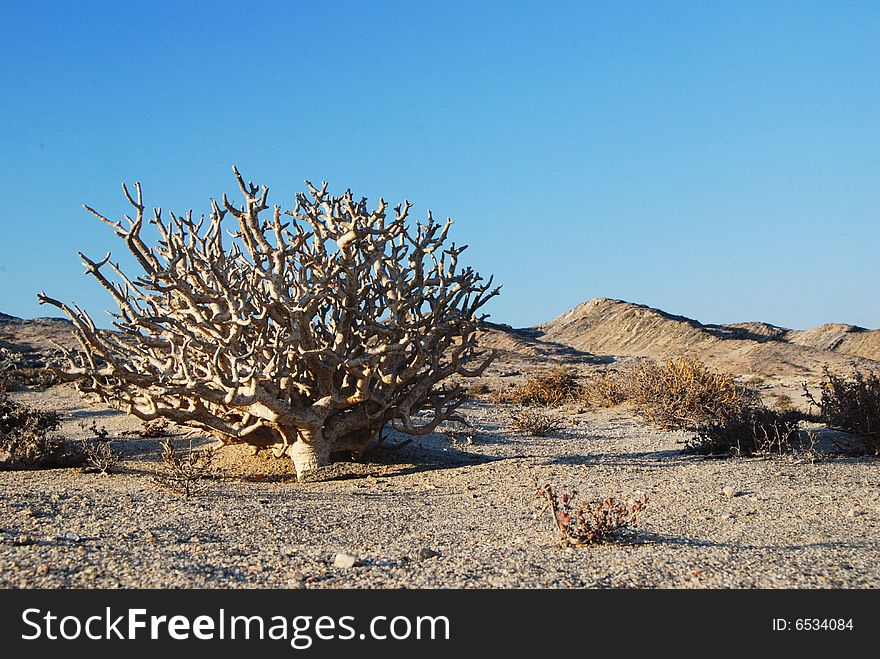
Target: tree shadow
x: 641, y: 537
x: 668, y: 458
x: 533, y: 338
x: 89, y: 414
x: 744, y: 334
x: 554, y: 349
x: 408, y: 460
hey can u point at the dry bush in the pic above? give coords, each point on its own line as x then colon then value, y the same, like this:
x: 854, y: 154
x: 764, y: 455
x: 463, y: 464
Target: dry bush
x: 41, y: 378
x: 478, y: 390
x: 97, y: 432
x: 588, y: 523
x: 753, y: 431
x: 460, y: 433
x: 727, y: 417
x: 303, y: 330
x: 851, y: 405
x: 605, y: 389
x: 24, y: 442
x: 683, y: 394
x: 754, y: 381
x: 99, y: 455
x: 783, y: 403
x: 535, y: 423
x: 155, y: 428
x: 501, y: 396
x: 184, y: 473
x: 98, y: 450
x: 550, y: 389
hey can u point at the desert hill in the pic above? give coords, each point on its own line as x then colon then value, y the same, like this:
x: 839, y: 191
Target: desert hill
x: 31, y: 343
x: 613, y: 328
x: 843, y: 339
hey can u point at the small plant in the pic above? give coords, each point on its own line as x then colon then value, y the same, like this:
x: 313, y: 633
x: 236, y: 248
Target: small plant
x: 99, y: 455
x: 98, y: 450
x: 41, y: 378
x: 23, y: 436
x: 551, y: 389
x: 783, y: 403
x: 501, y: 396
x: 811, y: 447
x: 478, y: 390
x: 754, y: 382
x: 851, y: 405
x: 155, y: 428
x: 588, y: 523
x: 534, y: 423
x: 461, y: 433
x: 184, y: 473
x: 99, y: 433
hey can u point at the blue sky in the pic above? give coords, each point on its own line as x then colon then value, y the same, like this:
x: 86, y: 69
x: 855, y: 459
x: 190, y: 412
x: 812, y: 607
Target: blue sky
x: 719, y: 160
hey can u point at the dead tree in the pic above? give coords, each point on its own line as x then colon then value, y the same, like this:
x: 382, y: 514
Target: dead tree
x: 306, y: 333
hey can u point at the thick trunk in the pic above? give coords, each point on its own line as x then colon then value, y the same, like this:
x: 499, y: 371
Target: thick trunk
x: 308, y: 452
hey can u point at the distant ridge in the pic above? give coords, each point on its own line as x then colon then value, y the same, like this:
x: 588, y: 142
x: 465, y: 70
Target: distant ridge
x: 607, y: 327
x: 37, y: 334
x: 844, y: 339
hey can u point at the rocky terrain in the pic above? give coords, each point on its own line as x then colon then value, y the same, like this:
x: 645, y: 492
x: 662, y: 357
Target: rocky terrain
x: 459, y: 509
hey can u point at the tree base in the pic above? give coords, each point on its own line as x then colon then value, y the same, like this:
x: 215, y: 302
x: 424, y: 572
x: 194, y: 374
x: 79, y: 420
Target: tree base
x: 308, y: 457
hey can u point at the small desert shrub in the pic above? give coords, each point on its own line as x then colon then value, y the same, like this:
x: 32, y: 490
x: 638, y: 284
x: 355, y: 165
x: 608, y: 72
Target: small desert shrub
x: 754, y: 382
x: 184, y: 473
x: 155, y: 428
x: 534, y: 423
x: 501, y: 396
x: 23, y: 436
x: 588, y: 523
x: 727, y: 417
x: 31, y: 377
x: 477, y: 390
x: 754, y: 431
x: 459, y: 433
x: 550, y: 389
x: 783, y: 403
x: 98, y: 450
x: 99, y: 455
x: 683, y: 394
x: 851, y: 405
x: 605, y: 389
x: 96, y: 431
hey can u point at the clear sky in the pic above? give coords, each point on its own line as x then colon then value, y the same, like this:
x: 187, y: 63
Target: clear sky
x: 719, y: 160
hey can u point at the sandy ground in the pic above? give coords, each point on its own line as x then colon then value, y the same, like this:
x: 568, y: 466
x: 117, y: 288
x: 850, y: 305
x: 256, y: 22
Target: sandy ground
x: 442, y: 512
